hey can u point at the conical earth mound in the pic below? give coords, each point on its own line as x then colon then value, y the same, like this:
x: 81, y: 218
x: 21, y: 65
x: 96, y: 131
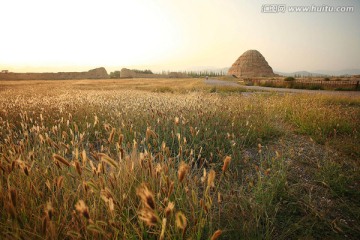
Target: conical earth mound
x: 251, y: 64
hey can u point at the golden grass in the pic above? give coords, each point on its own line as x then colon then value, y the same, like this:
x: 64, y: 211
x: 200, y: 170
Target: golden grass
x: 128, y: 159
x: 107, y: 84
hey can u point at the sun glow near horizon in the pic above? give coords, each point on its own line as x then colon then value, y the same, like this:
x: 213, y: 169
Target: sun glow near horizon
x: 111, y: 33
x: 169, y: 35
x: 78, y: 34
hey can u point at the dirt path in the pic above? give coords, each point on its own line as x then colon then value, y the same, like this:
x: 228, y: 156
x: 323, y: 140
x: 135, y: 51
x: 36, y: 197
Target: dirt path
x: 216, y: 82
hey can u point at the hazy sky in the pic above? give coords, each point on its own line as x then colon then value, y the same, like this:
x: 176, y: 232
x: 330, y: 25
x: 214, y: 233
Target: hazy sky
x: 61, y: 35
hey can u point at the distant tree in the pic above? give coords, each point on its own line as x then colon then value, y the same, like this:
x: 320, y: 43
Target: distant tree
x: 289, y: 79
x: 115, y: 74
x: 146, y: 71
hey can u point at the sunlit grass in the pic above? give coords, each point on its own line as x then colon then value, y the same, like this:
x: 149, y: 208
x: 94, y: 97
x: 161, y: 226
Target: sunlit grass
x: 133, y: 160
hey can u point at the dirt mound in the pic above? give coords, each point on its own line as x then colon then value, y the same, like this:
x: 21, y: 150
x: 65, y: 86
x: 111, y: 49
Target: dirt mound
x: 97, y: 73
x: 251, y: 64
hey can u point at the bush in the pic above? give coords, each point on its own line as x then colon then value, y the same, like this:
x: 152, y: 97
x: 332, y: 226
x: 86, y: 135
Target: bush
x: 315, y: 87
x: 115, y: 74
x: 164, y: 90
x: 289, y: 79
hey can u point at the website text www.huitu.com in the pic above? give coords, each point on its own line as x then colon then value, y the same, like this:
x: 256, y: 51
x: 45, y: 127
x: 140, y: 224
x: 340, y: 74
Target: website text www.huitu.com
x: 282, y: 8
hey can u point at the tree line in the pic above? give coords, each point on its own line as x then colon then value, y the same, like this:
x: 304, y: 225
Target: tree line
x: 194, y: 74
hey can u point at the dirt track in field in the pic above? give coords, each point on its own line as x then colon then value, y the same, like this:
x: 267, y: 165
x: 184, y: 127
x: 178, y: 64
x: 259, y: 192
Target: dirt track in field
x: 216, y: 82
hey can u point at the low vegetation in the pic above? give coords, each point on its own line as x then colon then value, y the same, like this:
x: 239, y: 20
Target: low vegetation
x: 175, y: 160
x: 146, y: 71
x: 115, y: 74
x: 289, y: 79
x: 324, y: 84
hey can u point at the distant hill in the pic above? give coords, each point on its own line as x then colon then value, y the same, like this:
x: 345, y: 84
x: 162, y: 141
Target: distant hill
x: 321, y: 73
x: 301, y: 73
x: 353, y: 71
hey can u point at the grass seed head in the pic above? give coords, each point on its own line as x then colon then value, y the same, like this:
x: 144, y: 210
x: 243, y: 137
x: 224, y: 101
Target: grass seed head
x: 219, y: 198
x: 59, y: 182
x: 163, y: 228
x: 158, y: 169
x: 216, y: 235
x: 78, y: 168
x: 227, y: 161
x: 180, y: 220
x: 111, y: 136
x: 176, y: 121
x: 105, y: 158
x: 121, y: 138
x: 203, y: 178
x: 148, y: 216
x: 211, y: 178
x: 169, y: 209
x: 150, y: 133
x: 171, y: 188
x: 146, y: 196
x: 183, y: 169
x: 84, y: 157
x: 60, y: 159
x: 49, y: 211
x: 82, y: 209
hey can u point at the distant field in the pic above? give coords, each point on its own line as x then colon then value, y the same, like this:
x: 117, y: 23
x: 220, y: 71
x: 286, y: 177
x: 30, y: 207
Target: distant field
x: 176, y: 159
x: 106, y: 84
x: 334, y: 83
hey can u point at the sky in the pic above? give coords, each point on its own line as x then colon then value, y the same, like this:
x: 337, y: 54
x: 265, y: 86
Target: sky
x: 77, y: 35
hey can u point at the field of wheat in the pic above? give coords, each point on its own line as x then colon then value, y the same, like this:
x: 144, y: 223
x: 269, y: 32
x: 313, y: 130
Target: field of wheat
x: 173, y: 159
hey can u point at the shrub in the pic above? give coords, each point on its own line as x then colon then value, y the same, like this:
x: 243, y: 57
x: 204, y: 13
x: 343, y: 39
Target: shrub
x: 213, y: 90
x: 289, y: 79
x: 164, y: 90
x: 315, y: 87
x: 115, y: 74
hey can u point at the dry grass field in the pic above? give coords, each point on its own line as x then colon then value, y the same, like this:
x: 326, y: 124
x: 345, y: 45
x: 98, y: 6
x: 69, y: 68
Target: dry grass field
x: 176, y: 159
x: 317, y: 83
